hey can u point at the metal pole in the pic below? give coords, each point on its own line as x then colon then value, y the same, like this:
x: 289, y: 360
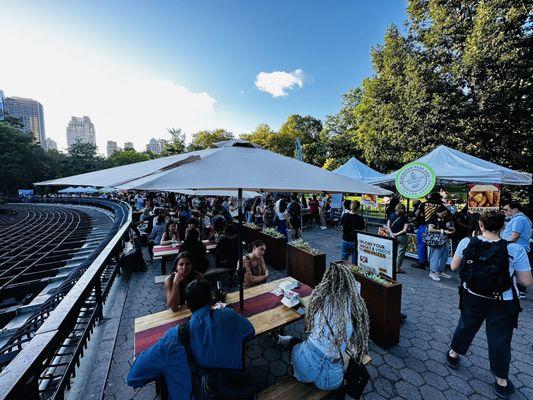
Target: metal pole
x: 240, y: 271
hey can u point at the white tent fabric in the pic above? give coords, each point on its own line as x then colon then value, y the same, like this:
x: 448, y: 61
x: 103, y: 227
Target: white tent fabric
x: 67, y: 190
x: 455, y: 166
x: 107, y: 189
x: 224, y: 193
x: 355, y: 169
x: 229, y: 166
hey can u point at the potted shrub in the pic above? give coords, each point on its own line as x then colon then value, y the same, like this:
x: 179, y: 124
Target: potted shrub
x: 383, y: 297
x: 305, y: 263
x: 276, y: 244
x: 250, y: 232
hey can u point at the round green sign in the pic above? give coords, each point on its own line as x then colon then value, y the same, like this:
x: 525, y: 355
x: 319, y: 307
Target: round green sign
x: 415, y: 180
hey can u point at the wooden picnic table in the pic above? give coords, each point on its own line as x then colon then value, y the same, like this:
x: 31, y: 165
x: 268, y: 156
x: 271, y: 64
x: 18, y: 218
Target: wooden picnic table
x: 168, y: 251
x: 262, y: 308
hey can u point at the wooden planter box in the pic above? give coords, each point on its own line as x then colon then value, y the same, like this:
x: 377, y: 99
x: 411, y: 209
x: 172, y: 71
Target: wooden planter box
x: 249, y: 234
x: 276, y: 253
x: 306, y: 267
x: 384, y: 305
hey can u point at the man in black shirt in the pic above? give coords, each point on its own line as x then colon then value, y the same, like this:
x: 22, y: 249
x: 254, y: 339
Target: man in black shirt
x: 351, y: 222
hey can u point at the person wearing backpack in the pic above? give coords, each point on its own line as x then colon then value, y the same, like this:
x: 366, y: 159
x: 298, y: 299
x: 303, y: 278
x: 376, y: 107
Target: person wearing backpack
x: 489, y: 268
x: 199, y: 354
x: 351, y: 223
x: 295, y: 217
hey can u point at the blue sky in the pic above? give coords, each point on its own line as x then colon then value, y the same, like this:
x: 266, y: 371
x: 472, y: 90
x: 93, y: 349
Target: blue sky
x: 204, y: 55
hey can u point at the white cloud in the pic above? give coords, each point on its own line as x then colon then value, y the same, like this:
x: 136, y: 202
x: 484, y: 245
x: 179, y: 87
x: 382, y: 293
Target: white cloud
x: 277, y: 83
x: 72, y: 78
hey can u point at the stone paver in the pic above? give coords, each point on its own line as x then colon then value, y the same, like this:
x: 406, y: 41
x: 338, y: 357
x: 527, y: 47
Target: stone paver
x: 414, y: 369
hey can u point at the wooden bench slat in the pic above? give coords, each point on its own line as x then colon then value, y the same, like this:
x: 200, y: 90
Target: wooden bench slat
x: 290, y: 389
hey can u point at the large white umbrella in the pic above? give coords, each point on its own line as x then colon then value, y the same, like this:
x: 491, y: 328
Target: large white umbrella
x: 231, y: 165
x: 247, y: 194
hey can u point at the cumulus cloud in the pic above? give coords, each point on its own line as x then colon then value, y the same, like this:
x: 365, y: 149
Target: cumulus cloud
x: 71, y: 78
x: 278, y: 83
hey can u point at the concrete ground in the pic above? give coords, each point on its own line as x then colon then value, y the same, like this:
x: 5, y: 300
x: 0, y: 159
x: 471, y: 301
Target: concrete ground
x: 413, y: 369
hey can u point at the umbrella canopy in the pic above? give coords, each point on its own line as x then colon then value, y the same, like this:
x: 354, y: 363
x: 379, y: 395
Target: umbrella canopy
x: 67, y: 190
x: 455, y: 166
x: 355, y: 169
x: 224, y: 193
x: 90, y: 190
x: 107, y: 189
x: 229, y: 166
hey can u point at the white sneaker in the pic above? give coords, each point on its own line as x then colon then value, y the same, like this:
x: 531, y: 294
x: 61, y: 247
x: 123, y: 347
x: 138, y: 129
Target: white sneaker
x: 434, y: 276
x: 443, y: 275
x: 284, y: 340
x: 323, y: 227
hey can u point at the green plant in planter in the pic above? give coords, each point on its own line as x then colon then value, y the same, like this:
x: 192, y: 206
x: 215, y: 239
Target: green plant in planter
x: 305, y: 246
x: 252, y: 225
x: 272, y: 232
x: 370, y: 274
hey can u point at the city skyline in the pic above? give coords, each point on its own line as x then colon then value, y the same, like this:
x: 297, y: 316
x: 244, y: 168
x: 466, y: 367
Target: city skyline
x: 80, y: 129
x: 31, y: 114
x: 222, y: 66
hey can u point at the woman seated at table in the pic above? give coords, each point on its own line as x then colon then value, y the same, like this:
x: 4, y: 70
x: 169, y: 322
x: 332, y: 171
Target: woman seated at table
x: 177, y: 281
x: 195, y: 247
x: 170, y: 235
x: 255, y: 270
x: 337, y: 320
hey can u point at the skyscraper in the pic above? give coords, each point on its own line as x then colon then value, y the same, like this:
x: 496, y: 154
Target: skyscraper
x: 80, y: 129
x: 128, y: 146
x: 51, y: 144
x: 31, y: 114
x: 156, y: 145
x: 1, y: 105
x: 111, y: 148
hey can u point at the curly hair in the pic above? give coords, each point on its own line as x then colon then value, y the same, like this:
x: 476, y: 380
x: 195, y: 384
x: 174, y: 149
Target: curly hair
x: 337, y: 291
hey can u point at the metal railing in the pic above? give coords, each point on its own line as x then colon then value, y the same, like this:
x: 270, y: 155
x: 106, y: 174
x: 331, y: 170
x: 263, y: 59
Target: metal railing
x: 51, y: 344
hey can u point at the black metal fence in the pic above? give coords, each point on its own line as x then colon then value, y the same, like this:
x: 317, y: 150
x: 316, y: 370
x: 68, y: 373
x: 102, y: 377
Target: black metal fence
x: 50, y: 344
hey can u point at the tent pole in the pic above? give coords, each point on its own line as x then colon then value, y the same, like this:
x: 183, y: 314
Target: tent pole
x: 240, y: 271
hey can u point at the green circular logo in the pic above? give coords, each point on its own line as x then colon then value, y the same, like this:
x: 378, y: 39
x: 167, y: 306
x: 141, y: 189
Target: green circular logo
x: 415, y: 180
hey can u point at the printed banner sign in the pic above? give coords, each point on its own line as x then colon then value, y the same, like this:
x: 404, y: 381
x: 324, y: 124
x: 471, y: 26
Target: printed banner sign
x: 370, y: 200
x: 415, y: 180
x: 376, y: 253
x: 483, y: 197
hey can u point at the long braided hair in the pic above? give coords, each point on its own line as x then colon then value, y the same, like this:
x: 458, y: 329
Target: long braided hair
x: 337, y: 291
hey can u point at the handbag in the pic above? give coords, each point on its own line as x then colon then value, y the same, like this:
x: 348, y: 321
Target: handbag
x: 356, y: 377
x: 216, y: 383
x: 434, y: 239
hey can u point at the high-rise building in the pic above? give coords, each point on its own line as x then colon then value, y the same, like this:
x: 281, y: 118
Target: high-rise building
x: 156, y: 145
x: 31, y: 114
x: 80, y: 129
x: 51, y: 144
x: 1, y: 105
x: 128, y: 146
x: 111, y: 148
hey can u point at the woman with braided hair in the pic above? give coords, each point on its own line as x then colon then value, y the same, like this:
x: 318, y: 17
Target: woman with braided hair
x: 337, y: 322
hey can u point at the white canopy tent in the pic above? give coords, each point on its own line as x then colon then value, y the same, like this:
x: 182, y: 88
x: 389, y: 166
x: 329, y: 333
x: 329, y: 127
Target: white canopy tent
x: 355, y: 169
x: 455, y: 166
x: 224, y: 193
x: 67, y: 190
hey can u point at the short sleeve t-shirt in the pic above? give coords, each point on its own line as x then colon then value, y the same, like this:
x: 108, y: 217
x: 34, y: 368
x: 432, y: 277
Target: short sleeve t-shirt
x: 518, y: 261
x: 350, y: 223
x: 521, y: 224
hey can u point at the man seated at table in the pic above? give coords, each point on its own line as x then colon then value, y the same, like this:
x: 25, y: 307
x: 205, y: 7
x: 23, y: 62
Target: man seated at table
x: 216, y: 342
x: 182, y: 274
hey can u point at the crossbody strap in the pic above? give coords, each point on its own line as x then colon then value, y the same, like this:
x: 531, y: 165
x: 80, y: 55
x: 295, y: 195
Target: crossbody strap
x: 185, y: 338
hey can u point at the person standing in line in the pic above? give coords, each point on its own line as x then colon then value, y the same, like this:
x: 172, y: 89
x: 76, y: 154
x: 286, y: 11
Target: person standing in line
x: 489, y: 268
x: 397, y: 225
x: 281, y: 217
x: 518, y: 230
x: 294, y: 211
x: 424, y: 213
x: 351, y: 222
x: 323, y: 208
x: 441, y: 224
x: 314, y: 209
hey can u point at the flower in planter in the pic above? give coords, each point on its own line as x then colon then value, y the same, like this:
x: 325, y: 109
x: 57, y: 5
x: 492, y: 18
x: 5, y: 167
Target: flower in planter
x: 272, y: 232
x: 252, y: 225
x: 305, y: 246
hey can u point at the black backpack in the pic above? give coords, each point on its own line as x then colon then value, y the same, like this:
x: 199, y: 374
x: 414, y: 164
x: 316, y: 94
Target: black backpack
x: 216, y: 383
x: 485, y: 268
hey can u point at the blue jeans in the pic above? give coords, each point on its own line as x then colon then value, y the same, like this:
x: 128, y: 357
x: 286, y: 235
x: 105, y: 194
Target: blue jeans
x: 347, y: 249
x: 311, y: 365
x: 438, y: 257
x: 282, y: 227
x: 421, y: 246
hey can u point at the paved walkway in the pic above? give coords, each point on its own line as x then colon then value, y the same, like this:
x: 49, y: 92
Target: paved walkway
x: 414, y: 369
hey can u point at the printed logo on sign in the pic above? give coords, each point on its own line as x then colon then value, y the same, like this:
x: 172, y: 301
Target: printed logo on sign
x: 415, y: 180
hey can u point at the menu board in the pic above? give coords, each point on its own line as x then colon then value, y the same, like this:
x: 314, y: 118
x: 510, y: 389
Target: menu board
x: 377, y: 253
x: 483, y: 197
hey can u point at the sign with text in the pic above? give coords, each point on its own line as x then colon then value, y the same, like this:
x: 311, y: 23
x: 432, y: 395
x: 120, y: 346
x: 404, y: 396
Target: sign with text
x: 415, y: 180
x: 377, y: 253
x: 483, y: 197
x: 369, y: 200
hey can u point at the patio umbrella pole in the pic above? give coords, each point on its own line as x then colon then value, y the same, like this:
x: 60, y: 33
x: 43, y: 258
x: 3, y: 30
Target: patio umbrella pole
x: 240, y: 271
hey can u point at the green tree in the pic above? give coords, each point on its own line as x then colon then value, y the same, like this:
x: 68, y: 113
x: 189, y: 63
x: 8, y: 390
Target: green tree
x: 308, y: 130
x: 205, y: 139
x: 127, y: 156
x: 176, y: 144
x: 23, y: 161
x: 83, y: 157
